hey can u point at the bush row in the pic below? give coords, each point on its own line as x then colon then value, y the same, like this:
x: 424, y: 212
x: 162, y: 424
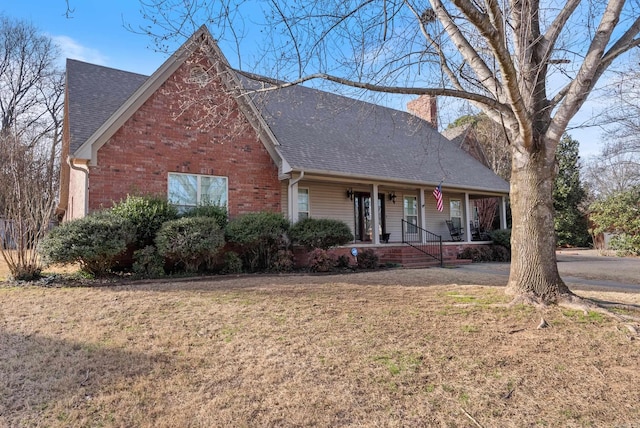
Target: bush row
x: 149, y: 236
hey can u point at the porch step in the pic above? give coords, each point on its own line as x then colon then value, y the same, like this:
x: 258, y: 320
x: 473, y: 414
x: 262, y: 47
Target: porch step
x: 412, y: 258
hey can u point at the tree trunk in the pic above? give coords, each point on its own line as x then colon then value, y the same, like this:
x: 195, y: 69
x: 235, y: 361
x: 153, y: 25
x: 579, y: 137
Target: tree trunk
x: 534, y: 271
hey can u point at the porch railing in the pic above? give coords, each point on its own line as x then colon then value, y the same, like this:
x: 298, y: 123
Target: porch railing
x: 422, y: 240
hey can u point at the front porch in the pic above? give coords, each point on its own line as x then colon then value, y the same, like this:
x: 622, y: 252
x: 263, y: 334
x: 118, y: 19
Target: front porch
x: 377, y: 211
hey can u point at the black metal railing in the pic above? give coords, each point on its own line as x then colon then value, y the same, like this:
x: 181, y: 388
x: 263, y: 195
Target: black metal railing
x: 422, y: 240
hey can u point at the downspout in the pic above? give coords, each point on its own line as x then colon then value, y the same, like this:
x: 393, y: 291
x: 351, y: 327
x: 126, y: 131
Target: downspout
x: 86, y: 182
x: 291, y: 184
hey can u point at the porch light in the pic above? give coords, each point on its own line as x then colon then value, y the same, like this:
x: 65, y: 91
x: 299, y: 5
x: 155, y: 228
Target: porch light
x: 350, y: 193
x: 392, y: 197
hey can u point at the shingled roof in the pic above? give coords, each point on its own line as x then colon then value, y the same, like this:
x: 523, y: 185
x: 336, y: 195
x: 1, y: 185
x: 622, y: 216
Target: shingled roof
x: 323, y: 132
x: 94, y: 93
x: 316, y: 131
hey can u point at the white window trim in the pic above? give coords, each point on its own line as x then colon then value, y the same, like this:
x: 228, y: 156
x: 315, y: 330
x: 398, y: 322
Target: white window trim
x: 308, y: 202
x: 406, y: 216
x: 461, y: 216
x: 198, y: 187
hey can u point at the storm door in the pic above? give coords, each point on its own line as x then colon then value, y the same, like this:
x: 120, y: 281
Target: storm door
x: 363, y: 218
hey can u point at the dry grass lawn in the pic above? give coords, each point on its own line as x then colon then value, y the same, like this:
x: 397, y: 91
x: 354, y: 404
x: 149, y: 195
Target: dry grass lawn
x: 372, y: 349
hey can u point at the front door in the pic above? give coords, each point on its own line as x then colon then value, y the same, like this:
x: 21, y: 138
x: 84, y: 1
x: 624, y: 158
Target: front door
x: 363, y: 219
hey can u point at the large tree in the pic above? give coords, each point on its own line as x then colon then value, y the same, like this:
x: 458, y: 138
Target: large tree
x: 529, y: 65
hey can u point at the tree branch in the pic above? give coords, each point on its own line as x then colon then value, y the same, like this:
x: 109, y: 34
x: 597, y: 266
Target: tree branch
x: 276, y: 85
x: 468, y: 52
x: 507, y: 68
x: 593, y: 66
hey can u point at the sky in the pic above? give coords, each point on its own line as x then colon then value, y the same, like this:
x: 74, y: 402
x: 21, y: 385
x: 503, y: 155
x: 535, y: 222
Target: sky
x: 96, y: 33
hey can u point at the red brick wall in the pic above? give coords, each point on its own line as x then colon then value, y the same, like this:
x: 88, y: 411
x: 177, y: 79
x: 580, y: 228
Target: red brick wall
x: 182, y: 128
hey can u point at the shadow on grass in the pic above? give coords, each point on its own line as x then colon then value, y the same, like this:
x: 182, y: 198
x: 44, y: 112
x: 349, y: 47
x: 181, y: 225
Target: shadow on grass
x: 40, y: 374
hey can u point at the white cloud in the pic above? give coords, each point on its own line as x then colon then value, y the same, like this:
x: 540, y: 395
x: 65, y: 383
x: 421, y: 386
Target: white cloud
x: 72, y: 49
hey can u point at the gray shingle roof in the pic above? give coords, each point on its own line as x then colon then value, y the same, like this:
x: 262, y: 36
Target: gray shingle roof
x: 322, y: 131
x: 316, y: 130
x: 94, y: 93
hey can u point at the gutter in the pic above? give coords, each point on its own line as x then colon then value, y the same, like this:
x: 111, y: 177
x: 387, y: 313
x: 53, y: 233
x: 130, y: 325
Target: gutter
x: 86, y: 182
x: 291, y: 184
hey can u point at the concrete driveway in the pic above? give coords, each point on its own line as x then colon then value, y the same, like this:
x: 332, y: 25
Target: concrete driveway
x: 583, y: 269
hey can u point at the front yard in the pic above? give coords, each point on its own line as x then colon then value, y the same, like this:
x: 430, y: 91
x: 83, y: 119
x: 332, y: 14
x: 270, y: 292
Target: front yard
x: 389, y: 348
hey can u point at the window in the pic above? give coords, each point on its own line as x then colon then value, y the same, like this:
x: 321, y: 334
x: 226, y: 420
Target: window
x: 455, y: 212
x: 303, y: 204
x: 411, y: 213
x: 190, y: 190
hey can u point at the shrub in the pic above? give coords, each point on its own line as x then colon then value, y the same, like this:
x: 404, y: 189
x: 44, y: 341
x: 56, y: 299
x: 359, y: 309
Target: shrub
x: 93, y: 242
x: 147, y: 214
x: 477, y: 253
x: 232, y: 263
x: 148, y: 263
x: 320, y: 233
x: 283, y: 261
x: 625, y: 244
x: 368, y: 259
x: 500, y: 253
x: 214, y: 211
x: 192, y: 241
x: 486, y: 253
x: 321, y: 261
x: 501, y: 237
x: 344, y: 262
x: 258, y: 237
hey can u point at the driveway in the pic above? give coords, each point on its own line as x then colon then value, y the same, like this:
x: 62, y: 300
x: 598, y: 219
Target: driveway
x: 583, y: 269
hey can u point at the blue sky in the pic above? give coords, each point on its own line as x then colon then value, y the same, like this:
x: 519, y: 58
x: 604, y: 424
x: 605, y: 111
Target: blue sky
x: 96, y: 33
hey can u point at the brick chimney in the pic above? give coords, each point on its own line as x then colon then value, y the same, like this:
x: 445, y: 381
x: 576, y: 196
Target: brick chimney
x: 425, y: 107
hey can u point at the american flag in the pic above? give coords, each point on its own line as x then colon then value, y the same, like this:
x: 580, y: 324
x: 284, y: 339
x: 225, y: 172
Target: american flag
x: 437, y: 193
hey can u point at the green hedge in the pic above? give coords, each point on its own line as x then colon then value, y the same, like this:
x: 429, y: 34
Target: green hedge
x: 214, y: 211
x: 258, y: 237
x: 147, y: 214
x: 94, y: 242
x: 191, y: 241
x: 320, y: 233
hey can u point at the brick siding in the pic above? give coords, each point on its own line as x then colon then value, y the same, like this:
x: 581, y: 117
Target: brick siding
x: 167, y: 134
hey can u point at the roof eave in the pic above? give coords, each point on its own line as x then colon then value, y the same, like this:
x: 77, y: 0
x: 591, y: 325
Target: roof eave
x: 391, y: 180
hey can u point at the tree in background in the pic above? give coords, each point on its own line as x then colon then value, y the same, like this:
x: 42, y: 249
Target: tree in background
x: 619, y: 214
x: 493, y: 140
x: 617, y: 167
x: 569, y: 196
x: 31, y: 100
x: 499, y: 56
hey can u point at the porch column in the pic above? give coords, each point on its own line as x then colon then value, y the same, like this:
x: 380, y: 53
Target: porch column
x: 467, y: 214
x: 422, y: 212
x: 503, y: 212
x: 375, y: 218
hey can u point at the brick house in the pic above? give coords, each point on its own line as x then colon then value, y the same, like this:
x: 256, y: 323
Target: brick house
x: 198, y: 132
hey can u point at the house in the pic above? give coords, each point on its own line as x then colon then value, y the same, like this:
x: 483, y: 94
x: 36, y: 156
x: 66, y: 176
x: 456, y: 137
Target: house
x: 198, y: 132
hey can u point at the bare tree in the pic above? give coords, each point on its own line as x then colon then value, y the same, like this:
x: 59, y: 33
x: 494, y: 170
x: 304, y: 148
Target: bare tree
x: 500, y: 55
x: 612, y: 172
x: 617, y: 167
x: 31, y: 101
